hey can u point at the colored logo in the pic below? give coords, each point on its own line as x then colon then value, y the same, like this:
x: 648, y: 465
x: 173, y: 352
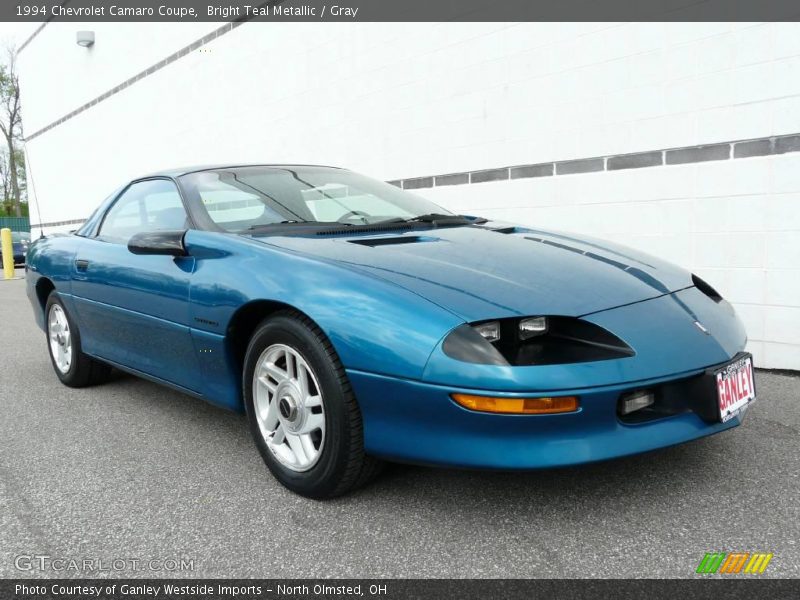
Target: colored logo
x: 734, y: 562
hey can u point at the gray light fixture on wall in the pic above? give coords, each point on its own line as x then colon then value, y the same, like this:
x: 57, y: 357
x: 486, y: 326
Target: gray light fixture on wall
x: 85, y: 38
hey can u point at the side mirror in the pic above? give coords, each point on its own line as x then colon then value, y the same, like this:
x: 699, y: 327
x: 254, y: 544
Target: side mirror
x: 169, y: 243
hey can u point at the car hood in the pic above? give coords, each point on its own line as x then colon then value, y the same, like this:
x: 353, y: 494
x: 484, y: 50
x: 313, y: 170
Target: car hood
x: 497, y: 271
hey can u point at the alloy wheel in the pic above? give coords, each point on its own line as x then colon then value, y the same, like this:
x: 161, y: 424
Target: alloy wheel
x: 60, y: 338
x: 289, y: 407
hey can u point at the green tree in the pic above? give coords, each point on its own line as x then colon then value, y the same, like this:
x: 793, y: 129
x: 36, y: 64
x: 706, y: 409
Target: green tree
x: 11, y: 128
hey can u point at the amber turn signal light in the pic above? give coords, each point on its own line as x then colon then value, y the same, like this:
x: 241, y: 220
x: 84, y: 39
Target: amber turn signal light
x: 518, y: 406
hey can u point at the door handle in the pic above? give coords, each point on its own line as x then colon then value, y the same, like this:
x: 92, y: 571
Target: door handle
x: 81, y: 264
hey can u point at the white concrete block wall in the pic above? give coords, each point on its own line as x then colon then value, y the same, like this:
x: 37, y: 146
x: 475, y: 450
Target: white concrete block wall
x: 409, y: 100
x: 58, y: 76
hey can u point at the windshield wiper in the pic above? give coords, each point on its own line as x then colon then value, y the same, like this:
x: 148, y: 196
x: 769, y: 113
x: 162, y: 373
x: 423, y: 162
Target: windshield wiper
x: 279, y: 224
x: 260, y: 225
x: 434, y: 218
x: 335, y: 227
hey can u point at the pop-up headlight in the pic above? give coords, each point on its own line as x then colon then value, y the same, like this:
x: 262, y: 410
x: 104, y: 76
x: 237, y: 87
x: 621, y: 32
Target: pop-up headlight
x: 532, y: 327
x: 488, y: 331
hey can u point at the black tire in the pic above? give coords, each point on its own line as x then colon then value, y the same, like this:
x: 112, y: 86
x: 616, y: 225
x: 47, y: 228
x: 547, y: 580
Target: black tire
x: 83, y: 370
x: 342, y: 465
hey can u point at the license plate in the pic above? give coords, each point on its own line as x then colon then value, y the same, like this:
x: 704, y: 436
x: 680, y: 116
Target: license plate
x: 735, y: 387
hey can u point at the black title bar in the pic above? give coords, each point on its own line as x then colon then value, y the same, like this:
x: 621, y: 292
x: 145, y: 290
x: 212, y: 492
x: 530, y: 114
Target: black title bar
x: 399, y: 10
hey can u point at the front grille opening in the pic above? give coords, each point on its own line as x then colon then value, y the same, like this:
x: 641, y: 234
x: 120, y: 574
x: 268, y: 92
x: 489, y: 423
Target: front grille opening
x: 695, y: 394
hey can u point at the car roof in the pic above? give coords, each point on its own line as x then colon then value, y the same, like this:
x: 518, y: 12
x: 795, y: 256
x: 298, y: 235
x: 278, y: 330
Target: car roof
x: 177, y: 172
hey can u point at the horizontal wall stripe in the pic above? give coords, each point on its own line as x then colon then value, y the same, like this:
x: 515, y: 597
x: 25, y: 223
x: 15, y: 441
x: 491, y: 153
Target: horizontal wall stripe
x: 451, y: 179
x: 488, y: 175
x: 58, y: 223
x: 693, y: 154
x: 753, y: 148
x: 582, y: 165
x: 419, y: 182
x: 787, y: 143
x: 544, y: 170
x: 652, y: 158
x: 724, y: 151
x: 635, y: 161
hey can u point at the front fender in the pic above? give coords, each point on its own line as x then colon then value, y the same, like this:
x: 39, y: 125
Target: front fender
x: 51, y: 258
x: 374, y: 325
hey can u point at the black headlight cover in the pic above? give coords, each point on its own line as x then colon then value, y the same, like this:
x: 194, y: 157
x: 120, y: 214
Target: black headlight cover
x: 466, y: 344
x: 567, y: 340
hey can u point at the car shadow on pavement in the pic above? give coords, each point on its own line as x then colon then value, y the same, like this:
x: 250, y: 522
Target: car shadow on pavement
x: 626, y: 480
x: 610, y: 477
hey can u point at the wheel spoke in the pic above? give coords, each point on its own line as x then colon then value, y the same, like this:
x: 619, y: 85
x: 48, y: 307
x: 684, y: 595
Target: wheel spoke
x: 297, y: 447
x: 271, y: 416
x: 290, y: 366
x: 302, y: 378
x: 264, y: 380
x: 275, y: 372
x: 62, y: 359
x: 278, y: 436
x: 312, y: 401
x: 313, y: 422
x: 308, y: 446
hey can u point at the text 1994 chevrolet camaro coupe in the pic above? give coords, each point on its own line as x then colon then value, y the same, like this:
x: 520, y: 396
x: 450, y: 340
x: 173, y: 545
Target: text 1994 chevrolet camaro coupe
x: 355, y: 322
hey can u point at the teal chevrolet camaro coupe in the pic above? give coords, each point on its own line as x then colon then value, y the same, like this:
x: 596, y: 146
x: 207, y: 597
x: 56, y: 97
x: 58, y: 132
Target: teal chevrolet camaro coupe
x: 357, y: 323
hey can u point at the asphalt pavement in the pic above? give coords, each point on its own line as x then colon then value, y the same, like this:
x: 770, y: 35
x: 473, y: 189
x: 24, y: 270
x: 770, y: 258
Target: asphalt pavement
x: 130, y: 471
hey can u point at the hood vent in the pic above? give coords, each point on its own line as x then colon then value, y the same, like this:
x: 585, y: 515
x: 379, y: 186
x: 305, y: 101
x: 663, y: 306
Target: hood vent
x: 706, y: 289
x: 510, y: 229
x: 392, y: 241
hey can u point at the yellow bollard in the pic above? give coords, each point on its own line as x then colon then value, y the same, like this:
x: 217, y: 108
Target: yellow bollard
x: 8, y: 253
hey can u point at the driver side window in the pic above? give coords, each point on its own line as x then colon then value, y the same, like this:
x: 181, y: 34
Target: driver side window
x: 152, y: 205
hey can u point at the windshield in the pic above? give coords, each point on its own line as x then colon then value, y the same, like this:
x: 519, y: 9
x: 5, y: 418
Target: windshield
x: 245, y: 199
x: 18, y: 236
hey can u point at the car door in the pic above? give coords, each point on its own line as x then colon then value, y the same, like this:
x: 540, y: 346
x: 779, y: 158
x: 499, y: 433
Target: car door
x: 133, y: 310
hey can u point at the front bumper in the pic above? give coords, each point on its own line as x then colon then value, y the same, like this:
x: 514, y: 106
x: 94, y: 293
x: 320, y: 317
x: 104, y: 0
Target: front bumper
x: 417, y: 422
